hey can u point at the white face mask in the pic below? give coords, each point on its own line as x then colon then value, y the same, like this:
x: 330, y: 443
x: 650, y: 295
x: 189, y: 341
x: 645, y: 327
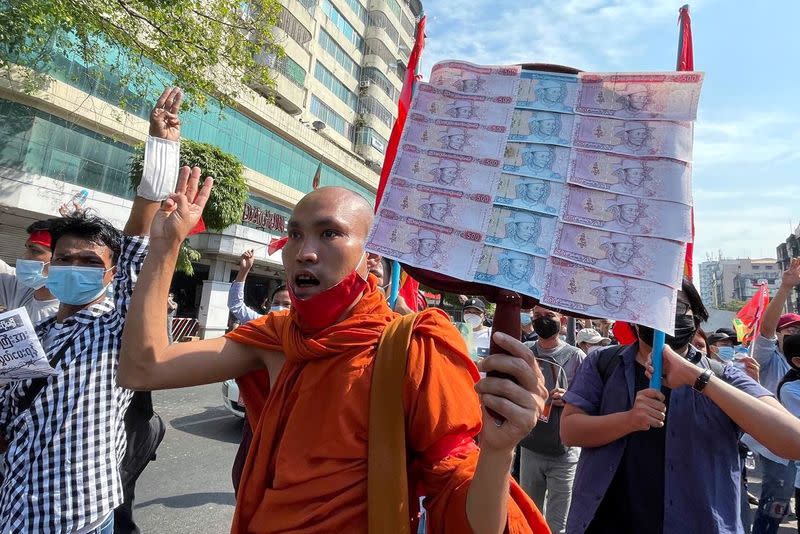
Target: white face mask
x: 278, y: 308
x: 472, y: 319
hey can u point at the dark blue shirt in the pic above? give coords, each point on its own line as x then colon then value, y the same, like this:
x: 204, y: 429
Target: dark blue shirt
x: 701, y: 458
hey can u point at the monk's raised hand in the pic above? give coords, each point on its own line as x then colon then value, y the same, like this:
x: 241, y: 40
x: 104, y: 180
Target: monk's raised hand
x: 519, y: 403
x: 164, y: 120
x: 183, y: 209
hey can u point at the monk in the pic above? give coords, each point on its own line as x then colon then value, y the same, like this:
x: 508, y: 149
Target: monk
x: 306, y: 470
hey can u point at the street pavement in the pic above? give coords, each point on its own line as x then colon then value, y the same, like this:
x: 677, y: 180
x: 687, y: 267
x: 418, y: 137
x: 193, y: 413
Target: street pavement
x: 188, y: 488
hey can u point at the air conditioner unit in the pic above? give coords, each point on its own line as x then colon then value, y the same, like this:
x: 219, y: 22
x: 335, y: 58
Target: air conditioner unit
x: 363, y: 84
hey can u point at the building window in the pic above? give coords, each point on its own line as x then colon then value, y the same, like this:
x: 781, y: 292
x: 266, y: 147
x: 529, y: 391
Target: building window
x: 376, y: 47
x: 359, y: 10
x: 408, y: 25
x: 330, y: 117
x: 368, y: 104
x: 380, y: 20
x: 335, y: 86
x: 294, y: 28
x: 338, y: 53
x: 42, y: 144
x: 378, y: 78
x: 368, y: 136
x: 395, y: 8
x: 341, y: 23
x: 309, y: 5
x: 291, y: 69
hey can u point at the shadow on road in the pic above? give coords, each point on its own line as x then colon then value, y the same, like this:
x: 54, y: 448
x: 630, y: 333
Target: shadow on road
x: 214, y: 423
x: 191, y: 499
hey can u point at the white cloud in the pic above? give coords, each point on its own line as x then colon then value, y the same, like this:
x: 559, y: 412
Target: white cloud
x: 750, y: 138
x: 580, y: 33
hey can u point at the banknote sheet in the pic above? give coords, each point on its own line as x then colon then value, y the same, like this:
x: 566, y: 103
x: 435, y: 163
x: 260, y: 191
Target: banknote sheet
x: 598, y: 294
x: 572, y: 189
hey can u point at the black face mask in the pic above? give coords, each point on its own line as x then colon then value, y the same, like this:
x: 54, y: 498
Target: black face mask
x: 545, y: 327
x: 685, y: 328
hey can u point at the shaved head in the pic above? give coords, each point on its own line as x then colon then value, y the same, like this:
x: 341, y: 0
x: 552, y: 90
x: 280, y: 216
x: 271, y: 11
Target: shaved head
x: 327, y: 232
x: 348, y: 204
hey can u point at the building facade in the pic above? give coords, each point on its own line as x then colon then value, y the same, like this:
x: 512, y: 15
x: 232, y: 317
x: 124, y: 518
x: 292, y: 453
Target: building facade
x: 723, y: 280
x: 334, y: 104
x: 786, y: 251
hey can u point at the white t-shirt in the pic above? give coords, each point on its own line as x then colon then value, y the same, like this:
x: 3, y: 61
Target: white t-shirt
x: 15, y: 295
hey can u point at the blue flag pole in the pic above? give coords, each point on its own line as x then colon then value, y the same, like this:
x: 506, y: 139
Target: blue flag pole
x: 658, y: 360
x: 395, y: 283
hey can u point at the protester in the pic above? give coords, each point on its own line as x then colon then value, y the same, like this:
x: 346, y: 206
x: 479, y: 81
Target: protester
x: 665, y: 461
x: 78, y: 416
x: 172, y: 310
x: 721, y: 346
x: 700, y: 342
x: 604, y: 327
x: 547, y: 466
x: 589, y: 339
x: 307, y: 469
x: 776, y: 486
x: 24, y: 286
x: 382, y: 269
x: 788, y: 392
x: 475, y: 316
x: 277, y: 301
x: 526, y: 325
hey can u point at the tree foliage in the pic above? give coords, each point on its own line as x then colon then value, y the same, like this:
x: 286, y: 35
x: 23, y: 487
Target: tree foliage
x: 199, y: 43
x: 226, y: 203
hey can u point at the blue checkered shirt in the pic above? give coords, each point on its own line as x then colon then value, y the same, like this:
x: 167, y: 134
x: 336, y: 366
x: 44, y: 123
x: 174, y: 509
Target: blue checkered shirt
x: 62, y: 463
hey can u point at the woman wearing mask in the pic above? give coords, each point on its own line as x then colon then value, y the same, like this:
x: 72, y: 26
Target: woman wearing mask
x: 474, y: 316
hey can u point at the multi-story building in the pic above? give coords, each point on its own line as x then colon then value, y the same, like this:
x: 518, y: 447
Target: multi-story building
x: 334, y: 105
x: 786, y: 251
x: 723, y: 280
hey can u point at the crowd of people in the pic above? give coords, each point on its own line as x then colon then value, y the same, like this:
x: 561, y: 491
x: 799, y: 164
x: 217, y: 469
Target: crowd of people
x: 483, y: 441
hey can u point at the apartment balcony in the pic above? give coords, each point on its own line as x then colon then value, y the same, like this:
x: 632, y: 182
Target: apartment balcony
x: 376, y: 32
x: 289, y: 90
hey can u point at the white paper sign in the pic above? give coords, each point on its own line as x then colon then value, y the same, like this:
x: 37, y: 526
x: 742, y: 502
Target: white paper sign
x: 21, y: 353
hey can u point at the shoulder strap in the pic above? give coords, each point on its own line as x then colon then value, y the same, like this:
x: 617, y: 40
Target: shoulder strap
x: 38, y: 384
x: 387, y: 502
x: 608, y: 361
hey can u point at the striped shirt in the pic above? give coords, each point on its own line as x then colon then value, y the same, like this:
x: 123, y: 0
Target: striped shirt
x: 62, y: 463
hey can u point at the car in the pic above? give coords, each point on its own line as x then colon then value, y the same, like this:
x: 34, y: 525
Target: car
x: 231, y: 398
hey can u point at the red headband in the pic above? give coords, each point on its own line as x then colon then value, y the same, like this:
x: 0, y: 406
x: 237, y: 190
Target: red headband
x: 40, y: 237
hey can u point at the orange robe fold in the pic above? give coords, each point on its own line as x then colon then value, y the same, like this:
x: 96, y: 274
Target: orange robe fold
x: 307, y: 467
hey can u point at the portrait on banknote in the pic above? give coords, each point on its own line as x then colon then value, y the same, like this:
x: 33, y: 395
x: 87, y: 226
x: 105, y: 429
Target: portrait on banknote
x: 541, y: 127
x: 548, y: 162
x: 533, y: 194
x: 511, y: 269
x: 547, y: 91
x: 523, y: 231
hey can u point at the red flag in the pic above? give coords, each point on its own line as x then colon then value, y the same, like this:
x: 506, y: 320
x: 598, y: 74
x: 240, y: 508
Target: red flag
x: 317, y: 175
x: 686, y: 62
x: 748, y: 320
x: 199, y: 227
x: 409, y: 289
x: 402, y: 109
x: 276, y: 244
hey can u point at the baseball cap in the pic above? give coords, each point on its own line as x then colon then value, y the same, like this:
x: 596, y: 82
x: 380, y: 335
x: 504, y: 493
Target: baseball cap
x: 475, y: 303
x: 730, y: 332
x: 591, y: 336
x: 718, y: 336
x: 788, y: 319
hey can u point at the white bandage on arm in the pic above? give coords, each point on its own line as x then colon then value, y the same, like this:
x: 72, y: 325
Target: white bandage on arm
x: 160, y: 168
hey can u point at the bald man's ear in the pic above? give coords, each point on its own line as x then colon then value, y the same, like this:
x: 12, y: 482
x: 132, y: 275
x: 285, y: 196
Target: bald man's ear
x: 373, y: 260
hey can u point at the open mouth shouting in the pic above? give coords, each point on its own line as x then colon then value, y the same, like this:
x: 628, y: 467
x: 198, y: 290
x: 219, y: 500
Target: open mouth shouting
x: 305, y: 284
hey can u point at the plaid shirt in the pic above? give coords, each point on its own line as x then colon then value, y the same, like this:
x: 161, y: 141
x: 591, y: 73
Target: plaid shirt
x: 62, y: 463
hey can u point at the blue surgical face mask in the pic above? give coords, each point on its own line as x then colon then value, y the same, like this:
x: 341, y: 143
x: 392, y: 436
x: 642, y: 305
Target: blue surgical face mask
x: 29, y: 273
x: 76, y: 285
x: 725, y: 353
x: 525, y: 319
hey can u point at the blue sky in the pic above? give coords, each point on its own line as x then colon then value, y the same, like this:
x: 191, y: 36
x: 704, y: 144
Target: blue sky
x: 747, y: 136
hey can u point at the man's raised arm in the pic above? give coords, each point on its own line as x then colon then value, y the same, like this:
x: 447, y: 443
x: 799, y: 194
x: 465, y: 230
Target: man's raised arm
x: 147, y: 360
x: 791, y: 278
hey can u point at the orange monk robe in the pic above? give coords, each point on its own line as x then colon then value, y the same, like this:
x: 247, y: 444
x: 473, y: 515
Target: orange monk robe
x: 307, y: 466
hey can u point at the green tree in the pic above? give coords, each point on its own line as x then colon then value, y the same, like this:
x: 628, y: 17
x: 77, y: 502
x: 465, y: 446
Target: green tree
x: 226, y: 204
x: 733, y: 305
x: 197, y: 42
